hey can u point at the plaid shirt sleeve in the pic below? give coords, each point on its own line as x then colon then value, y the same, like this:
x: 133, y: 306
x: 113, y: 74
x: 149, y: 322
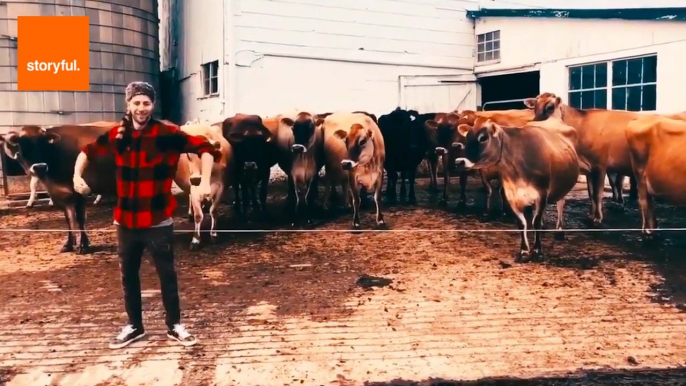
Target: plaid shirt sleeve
x: 104, y: 145
x: 196, y: 145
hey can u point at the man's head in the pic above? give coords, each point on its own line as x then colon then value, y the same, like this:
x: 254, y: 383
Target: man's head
x: 140, y: 101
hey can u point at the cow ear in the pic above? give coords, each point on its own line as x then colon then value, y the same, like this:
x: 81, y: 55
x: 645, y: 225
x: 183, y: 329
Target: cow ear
x: 287, y: 122
x: 493, y: 128
x: 235, y: 137
x: 431, y: 124
x: 464, y: 129
x: 318, y: 122
x: 530, y: 103
x: 558, y: 101
x: 340, y: 134
x: 215, y: 144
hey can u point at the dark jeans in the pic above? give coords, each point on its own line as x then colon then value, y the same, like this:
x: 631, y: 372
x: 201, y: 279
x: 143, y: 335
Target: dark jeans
x: 159, y: 242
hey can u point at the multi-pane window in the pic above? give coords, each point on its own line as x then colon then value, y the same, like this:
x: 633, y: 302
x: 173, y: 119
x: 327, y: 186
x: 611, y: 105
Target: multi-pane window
x: 588, y: 86
x: 633, y: 84
x: 210, y: 78
x: 488, y: 46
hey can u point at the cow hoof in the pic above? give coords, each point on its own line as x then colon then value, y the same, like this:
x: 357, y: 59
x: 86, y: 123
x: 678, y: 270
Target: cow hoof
x: 486, y: 216
x: 356, y: 228
x: 522, y: 256
x: 537, y: 256
x: 194, y: 246
x: 83, y: 249
x: 381, y: 225
x: 559, y: 236
x: 67, y: 248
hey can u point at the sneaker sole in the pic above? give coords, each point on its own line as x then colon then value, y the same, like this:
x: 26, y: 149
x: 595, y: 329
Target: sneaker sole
x: 128, y: 342
x: 187, y: 344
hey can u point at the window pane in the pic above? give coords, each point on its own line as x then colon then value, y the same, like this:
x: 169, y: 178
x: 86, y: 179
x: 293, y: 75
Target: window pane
x: 496, y: 34
x: 496, y: 54
x: 496, y: 45
x: 601, y: 75
x: 619, y: 73
x: 489, y: 36
x: 600, y: 99
x: 575, y: 78
x: 650, y: 69
x: 633, y: 99
x: 480, y: 57
x: 206, y: 89
x: 489, y: 46
x: 587, y: 100
x: 575, y: 99
x: 649, y: 98
x: 481, y: 47
x: 635, y: 71
x: 489, y: 55
x: 587, y: 77
x: 619, y: 99
x: 215, y: 85
x: 480, y: 38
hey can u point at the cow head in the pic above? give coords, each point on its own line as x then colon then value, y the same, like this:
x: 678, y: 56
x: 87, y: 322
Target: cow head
x: 32, y: 147
x: 304, y: 128
x: 545, y: 105
x: 443, y: 135
x: 250, y: 140
x: 483, y: 145
x: 359, y: 142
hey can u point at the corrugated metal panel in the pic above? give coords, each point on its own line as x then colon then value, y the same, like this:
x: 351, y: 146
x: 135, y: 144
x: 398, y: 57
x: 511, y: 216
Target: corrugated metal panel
x: 124, y: 41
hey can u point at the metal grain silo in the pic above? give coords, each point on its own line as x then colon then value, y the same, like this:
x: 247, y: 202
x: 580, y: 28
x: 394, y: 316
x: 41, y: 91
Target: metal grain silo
x: 123, y: 48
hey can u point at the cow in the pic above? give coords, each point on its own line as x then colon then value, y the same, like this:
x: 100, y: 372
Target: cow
x: 656, y: 150
x: 188, y: 171
x: 602, y: 144
x: 50, y: 154
x: 254, y: 155
x: 300, y: 146
x: 355, y: 153
x: 536, y: 164
x: 407, y: 144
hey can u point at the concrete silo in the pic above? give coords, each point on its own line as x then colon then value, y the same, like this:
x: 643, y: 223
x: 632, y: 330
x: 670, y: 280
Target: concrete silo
x: 124, y: 46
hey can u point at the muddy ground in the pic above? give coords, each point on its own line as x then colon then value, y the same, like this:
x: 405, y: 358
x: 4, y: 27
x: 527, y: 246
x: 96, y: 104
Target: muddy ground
x: 284, y: 308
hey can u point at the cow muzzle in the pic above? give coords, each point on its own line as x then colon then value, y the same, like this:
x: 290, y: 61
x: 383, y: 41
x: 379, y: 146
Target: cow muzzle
x: 39, y: 169
x: 348, y: 165
x: 441, y: 151
x: 463, y: 164
x: 250, y: 166
x: 298, y: 149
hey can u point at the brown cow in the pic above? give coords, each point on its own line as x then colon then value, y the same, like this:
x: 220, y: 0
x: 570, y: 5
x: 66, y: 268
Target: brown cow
x: 355, y: 151
x: 188, y: 170
x: 656, y: 149
x: 536, y: 164
x: 254, y: 155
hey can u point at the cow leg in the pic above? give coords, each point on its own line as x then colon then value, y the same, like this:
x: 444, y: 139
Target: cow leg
x: 264, y: 184
x: 33, y: 185
x: 462, y: 201
x: 619, y: 189
x: 633, y: 188
x: 390, y: 188
x: 364, y: 198
x: 379, y: 216
x: 647, y: 206
x: 524, y: 248
x: 70, y: 216
x: 613, y: 178
x: 97, y: 199
x: 190, y: 207
x: 560, y: 234
x: 356, y: 203
x: 505, y: 205
x: 403, y: 190
x: 327, y: 193
x: 598, y: 181
x: 290, y: 198
x: 80, y: 214
x: 197, y: 220
x: 411, y: 175
x: 489, y: 192
x: 312, y: 194
x: 446, y: 182
x: 539, y: 210
x: 433, y: 170
x: 296, y: 205
x: 309, y: 208
x: 213, y: 212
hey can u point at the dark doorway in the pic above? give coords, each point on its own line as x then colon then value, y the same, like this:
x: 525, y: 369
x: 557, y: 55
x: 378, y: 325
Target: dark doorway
x: 506, y: 88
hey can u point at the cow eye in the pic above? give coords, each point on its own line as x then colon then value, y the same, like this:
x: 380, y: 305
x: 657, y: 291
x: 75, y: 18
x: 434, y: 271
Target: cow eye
x: 483, y: 137
x: 363, y: 141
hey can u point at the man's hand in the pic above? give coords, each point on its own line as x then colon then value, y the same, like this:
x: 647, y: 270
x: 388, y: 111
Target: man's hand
x: 81, y: 186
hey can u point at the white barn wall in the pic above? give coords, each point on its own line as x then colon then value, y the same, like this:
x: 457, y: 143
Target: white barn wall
x: 556, y: 44
x: 338, y: 54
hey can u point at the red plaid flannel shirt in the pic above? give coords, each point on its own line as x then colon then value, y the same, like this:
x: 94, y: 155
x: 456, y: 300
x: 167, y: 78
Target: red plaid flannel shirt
x: 145, y: 170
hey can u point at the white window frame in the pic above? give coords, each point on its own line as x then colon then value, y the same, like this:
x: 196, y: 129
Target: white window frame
x: 209, y: 72
x: 609, y: 87
x: 594, y: 88
x: 495, y: 52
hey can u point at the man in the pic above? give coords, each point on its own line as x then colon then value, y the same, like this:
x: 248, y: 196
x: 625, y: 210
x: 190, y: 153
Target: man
x: 146, y: 154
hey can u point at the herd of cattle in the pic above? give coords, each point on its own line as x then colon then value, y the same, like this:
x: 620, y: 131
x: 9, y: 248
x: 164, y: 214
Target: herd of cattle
x: 536, y: 153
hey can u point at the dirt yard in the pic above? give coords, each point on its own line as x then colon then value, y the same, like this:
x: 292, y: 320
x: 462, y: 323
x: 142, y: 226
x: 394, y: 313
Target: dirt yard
x: 300, y: 308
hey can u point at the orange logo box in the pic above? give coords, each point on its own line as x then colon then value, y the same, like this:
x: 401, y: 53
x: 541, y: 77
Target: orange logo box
x: 52, y: 53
